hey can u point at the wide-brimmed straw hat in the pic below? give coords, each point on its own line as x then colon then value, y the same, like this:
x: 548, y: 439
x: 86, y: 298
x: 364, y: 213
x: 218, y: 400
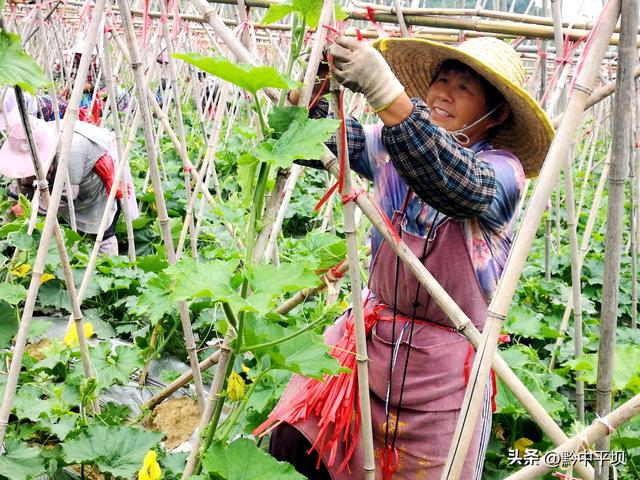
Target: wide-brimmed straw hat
x: 528, y: 131
x: 15, y: 155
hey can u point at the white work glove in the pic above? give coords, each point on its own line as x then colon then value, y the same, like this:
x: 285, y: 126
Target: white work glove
x: 361, y: 68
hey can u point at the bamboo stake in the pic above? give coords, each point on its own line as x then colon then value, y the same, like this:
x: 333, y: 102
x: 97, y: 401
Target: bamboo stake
x: 180, y: 127
x: 180, y: 382
x: 212, y: 147
x: 618, y: 173
x: 576, y: 266
x: 351, y: 236
x: 212, y: 403
x: 474, y: 395
x: 461, y: 322
x: 163, y: 217
x: 113, y: 102
x: 600, y: 428
x: 48, y: 228
x: 633, y: 200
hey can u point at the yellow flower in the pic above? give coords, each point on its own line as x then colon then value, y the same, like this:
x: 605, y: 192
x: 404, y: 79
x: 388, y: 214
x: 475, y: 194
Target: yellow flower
x: 46, y: 277
x: 150, y: 468
x: 235, y: 387
x: 21, y: 270
x: 71, y: 337
x: 522, y: 444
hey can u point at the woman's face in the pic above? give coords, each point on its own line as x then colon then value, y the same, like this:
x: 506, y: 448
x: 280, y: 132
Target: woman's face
x: 457, y: 99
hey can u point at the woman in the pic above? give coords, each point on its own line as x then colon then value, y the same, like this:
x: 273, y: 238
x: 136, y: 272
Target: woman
x: 92, y: 161
x: 459, y: 152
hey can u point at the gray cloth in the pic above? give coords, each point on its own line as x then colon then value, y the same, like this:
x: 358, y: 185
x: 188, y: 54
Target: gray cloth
x: 88, y: 145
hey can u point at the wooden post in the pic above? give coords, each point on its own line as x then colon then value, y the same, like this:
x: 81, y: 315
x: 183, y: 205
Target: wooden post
x: 163, y: 217
x: 508, y: 283
x: 618, y: 172
x: 47, y: 231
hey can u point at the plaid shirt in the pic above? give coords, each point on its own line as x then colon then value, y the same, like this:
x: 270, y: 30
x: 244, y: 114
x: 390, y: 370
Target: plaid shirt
x: 448, y: 181
x: 441, y: 172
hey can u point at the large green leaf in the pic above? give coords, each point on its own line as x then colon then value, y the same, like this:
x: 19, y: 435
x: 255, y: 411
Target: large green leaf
x: 116, y: 450
x: 277, y: 11
x: 20, y: 461
x: 310, y: 9
x: 154, y: 300
x: 243, y: 460
x: 213, y: 279
x: 8, y: 324
x: 16, y: 67
x: 304, y: 139
x: 305, y: 354
x: 269, y: 282
x: 12, y: 293
x: 112, y: 367
x: 625, y: 367
x: 247, y: 77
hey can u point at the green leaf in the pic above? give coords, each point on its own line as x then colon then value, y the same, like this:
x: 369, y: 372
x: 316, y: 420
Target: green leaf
x: 247, y: 77
x: 269, y: 282
x: 116, y: 450
x: 16, y: 67
x: 310, y: 9
x: 277, y: 11
x: 340, y: 13
x: 302, y: 140
x: 8, y: 324
x: 243, y: 460
x: 212, y: 279
x: 154, y: 300
x: 307, y: 355
x: 30, y: 403
x: 20, y: 461
x: 112, y: 367
x: 280, y: 118
x: 12, y: 293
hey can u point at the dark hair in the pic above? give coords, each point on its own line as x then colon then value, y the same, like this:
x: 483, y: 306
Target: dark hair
x: 493, y: 96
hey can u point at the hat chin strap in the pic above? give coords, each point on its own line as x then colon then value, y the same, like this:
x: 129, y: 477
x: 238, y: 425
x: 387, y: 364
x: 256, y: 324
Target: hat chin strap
x: 461, y: 137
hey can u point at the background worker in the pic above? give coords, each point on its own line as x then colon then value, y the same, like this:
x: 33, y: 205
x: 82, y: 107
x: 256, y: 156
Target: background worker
x: 459, y: 134
x: 92, y: 161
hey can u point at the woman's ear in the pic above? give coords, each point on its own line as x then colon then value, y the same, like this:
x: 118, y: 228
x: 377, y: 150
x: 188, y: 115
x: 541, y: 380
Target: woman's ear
x: 502, y: 114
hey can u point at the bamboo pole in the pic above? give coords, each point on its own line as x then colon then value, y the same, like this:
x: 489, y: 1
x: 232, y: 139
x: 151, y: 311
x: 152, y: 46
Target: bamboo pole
x: 351, y: 237
x: 461, y: 322
x: 212, y: 403
x: 113, y: 102
x: 474, y: 395
x: 212, y: 146
x: 180, y: 382
x: 618, y: 173
x: 600, y: 428
x: 633, y: 220
x: 576, y: 265
x: 175, y: 92
x: 163, y: 217
x: 47, y: 230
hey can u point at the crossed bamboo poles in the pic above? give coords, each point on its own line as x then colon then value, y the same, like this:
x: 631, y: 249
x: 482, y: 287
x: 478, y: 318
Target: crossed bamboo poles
x: 211, y: 17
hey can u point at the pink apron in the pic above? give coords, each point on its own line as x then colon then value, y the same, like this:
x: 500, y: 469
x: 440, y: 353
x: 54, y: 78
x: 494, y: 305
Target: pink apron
x: 435, y: 382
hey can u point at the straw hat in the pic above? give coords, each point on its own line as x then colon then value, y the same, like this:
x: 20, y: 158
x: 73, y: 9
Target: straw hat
x: 15, y: 155
x: 528, y: 131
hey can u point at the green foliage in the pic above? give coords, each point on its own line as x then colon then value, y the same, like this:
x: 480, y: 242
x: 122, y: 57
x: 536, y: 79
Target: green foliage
x: 116, y: 450
x: 250, y: 78
x: 243, y: 460
x: 21, y: 462
x: 16, y: 67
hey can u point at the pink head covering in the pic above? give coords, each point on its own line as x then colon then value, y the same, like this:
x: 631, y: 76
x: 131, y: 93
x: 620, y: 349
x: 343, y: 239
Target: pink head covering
x: 15, y: 156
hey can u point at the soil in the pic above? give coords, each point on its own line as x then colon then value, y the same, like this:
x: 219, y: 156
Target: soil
x: 91, y: 472
x: 34, y: 350
x: 177, y: 418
